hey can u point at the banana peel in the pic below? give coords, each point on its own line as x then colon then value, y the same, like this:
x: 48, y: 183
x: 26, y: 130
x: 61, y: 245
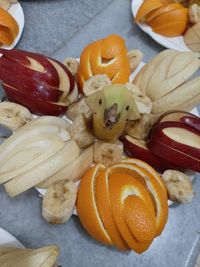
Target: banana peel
x: 112, y: 107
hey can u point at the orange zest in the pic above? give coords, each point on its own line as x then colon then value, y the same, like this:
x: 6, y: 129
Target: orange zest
x: 8, y: 28
x: 106, y: 56
x: 124, y: 205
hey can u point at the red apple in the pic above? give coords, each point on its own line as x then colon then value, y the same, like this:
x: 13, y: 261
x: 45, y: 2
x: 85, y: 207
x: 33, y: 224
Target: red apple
x: 137, y: 149
x: 175, y: 115
x: 28, y: 77
x: 192, y: 121
x: 177, y: 143
x: 36, y: 105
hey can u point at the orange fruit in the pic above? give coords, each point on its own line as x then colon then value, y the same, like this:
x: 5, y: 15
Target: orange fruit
x: 162, y: 10
x: 104, y: 208
x: 87, y: 208
x: 157, y: 190
x: 106, y: 56
x: 5, y: 36
x: 147, y: 7
x: 121, y: 186
x: 170, y: 24
x: 9, y: 22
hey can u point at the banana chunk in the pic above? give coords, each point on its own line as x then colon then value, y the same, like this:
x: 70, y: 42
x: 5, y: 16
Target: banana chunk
x: 179, y: 186
x: 95, y: 83
x: 13, y: 115
x: 58, y: 202
x: 78, y: 108
x: 108, y: 153
x: 194, y: 13
x: 72, y: 64
x: 135, y: 57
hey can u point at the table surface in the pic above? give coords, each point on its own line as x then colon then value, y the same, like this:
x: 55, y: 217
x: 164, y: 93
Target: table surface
x: 62, y: 28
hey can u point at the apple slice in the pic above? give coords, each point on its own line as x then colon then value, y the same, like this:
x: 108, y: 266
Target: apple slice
x: 180, y: 140
x: 174, y: 156
x: 137, y: 149
x: 192, y: 121
x: 175, y: 115
x: 34, y: 104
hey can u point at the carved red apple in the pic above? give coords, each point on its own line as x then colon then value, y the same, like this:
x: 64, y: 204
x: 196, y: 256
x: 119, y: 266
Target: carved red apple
x: 137, y: 149
x: 176, y: 142
x: 29, y: 77
x: 175, y: 115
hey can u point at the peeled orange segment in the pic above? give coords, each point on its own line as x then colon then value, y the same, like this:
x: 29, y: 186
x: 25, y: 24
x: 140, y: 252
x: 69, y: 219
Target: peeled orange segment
x: 162, y: 10
x: 139, y: 219
x: 104, y: 208
x: 170, y: 24
x: 147, y: 7
x: 122, y: 185
x: 5, y: 36
x: 87, y: 208
x: 149, y: 179
x: 8, y: 21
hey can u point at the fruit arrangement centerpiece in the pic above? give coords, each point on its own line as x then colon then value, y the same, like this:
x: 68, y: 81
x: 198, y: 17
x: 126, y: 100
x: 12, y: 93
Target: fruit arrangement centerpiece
x: 116, y: 136
x: 172, y: 19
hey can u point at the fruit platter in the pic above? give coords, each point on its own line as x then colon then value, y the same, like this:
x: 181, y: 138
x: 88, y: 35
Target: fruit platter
x: 106, y: 135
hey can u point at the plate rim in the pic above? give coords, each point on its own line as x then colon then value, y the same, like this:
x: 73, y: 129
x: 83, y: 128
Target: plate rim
x: 12, y: 241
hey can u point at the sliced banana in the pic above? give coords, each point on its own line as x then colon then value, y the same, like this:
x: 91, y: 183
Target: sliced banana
x: 58, y: 202
x: 72, y: 64
x: 108, y: 153
x: 194, y: 13
x: 179, y: 186
x: 79, y: 108
x: 13, y: 115
x: 135, y: 57
x: 143, y: 102
x: 95, y: 83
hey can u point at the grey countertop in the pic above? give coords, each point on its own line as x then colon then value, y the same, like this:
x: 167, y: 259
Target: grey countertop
x: 62, y: 28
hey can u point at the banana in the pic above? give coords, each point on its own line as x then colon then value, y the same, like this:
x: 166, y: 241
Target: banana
x: 81, y: 132
x: 179, y: 186
x: 73, y: 171
x: 79, y: 108
x: 13, y: 115
x: 17, y: 257
x: 135, y: 57
x: 143, y: 102
x: 50, y: 120
x: 192, y: 38
x: 194, y: 13
x: 72, y: 64
x: 95, y: 83
x: 5, y: 4
x: 186, y: 96
x: 108, y: 153
x: 58, y: 202
x: 44, y: 170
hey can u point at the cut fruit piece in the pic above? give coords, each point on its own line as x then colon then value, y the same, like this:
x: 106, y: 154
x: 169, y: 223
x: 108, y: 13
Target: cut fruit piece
x: 147, y: 7
x: 104, y: 208
x: 7, y: 20
x: 148, y: 177
x: 138, y: 149
x: 87, y: 208
x: 194, y: 121
x: 175, y: 115
x: 120, y: 187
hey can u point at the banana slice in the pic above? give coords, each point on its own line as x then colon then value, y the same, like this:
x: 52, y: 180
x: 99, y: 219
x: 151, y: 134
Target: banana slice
x: 79, y: 108
x: 72, y: 64
x: 13, y: 115
x: 194, y: 13
x: 58, y: 202
x: 5, y: 4
x: 135, y: 57
x: 95, y: 83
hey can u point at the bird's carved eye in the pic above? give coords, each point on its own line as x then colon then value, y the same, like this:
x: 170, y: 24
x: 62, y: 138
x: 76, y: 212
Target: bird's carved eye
x: 100, y: 101
x: 127, y: 108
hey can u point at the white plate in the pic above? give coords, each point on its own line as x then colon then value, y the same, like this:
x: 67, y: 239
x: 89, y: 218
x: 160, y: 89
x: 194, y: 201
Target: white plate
x: 17, y: 12
x: 191, y: 174
x: 176, y: 43
x: 7, y: 240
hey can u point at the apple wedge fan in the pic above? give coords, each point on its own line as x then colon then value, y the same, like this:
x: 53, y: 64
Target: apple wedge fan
x: 43, y: 85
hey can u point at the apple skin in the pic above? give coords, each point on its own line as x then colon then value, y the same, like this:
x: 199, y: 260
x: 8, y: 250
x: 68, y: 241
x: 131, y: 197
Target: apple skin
x: 25, y: 82
x: 175, y: 115
x: 158, y: 134
x: 34, y: 104
x: 194, y: 122
x: 134, y: 150
x: 173, y: 155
